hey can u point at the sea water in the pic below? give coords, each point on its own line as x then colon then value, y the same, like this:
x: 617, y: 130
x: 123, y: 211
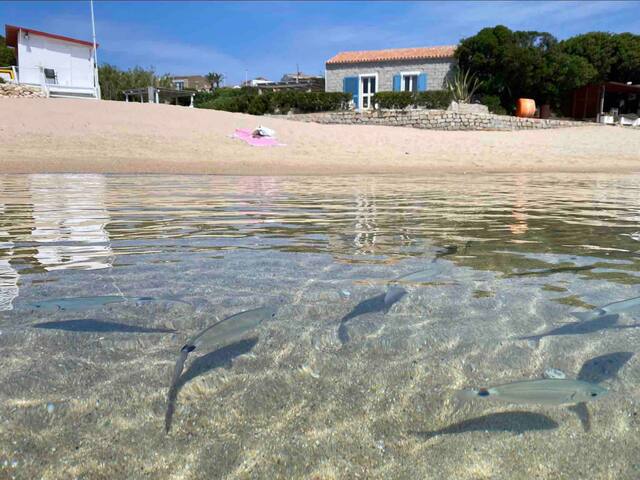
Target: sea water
x: 337, y: 385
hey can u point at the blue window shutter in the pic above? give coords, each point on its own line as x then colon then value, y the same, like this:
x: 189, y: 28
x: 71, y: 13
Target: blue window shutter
x: 422, y: 82
x: 396, y: 83
x: 350, y: 85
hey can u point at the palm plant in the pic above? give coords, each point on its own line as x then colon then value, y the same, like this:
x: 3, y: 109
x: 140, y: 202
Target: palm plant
x: 215, y: 79
x: 463, y: 85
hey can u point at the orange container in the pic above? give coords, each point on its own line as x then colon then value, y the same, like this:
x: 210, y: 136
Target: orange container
x: 525, y: 107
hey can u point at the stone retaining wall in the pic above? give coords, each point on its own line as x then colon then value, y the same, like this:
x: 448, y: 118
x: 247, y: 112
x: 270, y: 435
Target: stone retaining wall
x: 13, y: 90
x: 433, y: 120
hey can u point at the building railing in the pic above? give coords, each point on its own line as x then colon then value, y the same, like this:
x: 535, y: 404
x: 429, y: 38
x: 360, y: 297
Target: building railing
x: 58, y: 80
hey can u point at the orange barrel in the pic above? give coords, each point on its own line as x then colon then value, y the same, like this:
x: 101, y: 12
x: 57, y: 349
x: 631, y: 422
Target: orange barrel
x: 525, y: 107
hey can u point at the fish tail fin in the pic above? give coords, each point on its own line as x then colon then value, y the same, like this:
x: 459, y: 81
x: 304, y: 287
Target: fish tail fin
x: 583, y: 316
x: 172, y: 396
x: 393, y: 295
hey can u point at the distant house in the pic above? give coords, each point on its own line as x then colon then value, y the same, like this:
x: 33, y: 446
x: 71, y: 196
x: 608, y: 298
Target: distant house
x: 364, y: 73
x: 256, y: 82
x: 61, y: 66
x: 299, y: 77
x: 191, y: 82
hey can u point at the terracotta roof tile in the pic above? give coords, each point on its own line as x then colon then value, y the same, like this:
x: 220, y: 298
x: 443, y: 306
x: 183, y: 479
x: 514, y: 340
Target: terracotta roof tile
x: 393, y: 54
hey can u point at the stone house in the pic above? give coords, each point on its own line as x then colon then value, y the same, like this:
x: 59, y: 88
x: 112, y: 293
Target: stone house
x: 364, y: 73
x: 191, y: 82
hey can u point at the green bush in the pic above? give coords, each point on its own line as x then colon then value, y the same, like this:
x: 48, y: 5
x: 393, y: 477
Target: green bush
x: 436, y: 99
x: 394, y: 99
x: 494, y: 105
x: 250, y: 101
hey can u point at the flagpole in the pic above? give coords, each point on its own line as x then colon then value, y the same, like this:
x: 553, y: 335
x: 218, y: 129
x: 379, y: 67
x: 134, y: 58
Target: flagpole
x: 96, y: 80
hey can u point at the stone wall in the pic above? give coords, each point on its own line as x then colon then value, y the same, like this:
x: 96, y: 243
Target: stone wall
x: 14, y: 90
x: 437, y: 70
x: 433, y: 120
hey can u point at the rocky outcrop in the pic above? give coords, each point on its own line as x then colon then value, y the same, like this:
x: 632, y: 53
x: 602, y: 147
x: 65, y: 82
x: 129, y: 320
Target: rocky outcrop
x: 13, y: 90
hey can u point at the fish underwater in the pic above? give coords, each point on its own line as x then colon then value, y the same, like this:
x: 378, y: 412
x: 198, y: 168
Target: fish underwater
x: 425, y: 275
x: 83, y: 303
x: 226, y: 331
x: 608, y: 309
x: 539, y: 392
x: 551, y: 271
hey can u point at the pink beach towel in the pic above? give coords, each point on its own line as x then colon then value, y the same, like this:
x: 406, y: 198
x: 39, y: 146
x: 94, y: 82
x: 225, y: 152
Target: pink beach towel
x: 247, y: 136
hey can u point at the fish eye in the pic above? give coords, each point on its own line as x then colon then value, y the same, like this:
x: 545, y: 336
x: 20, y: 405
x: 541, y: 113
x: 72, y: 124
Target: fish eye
x: 594, y: 394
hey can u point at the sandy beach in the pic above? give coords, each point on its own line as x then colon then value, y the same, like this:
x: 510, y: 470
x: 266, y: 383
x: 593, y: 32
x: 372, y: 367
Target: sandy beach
x: 60, y: 135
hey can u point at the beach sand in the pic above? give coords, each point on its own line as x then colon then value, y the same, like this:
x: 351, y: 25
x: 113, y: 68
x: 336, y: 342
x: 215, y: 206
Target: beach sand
x: 64, y: 135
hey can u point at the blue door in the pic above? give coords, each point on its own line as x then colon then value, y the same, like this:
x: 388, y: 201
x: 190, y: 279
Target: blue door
x: 350, y: 85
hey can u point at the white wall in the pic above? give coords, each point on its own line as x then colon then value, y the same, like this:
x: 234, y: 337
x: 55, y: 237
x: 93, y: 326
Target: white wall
x: 72, y: 62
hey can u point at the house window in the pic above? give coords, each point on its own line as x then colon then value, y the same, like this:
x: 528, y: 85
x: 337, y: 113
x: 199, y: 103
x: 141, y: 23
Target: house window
x: 409, y: 82
x: 179, y: 84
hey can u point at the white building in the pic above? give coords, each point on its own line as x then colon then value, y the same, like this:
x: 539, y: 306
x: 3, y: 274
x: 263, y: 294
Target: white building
x: 62, y: 66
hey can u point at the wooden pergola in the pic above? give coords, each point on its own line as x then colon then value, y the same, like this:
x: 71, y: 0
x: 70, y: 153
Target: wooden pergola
x: 156, y: 94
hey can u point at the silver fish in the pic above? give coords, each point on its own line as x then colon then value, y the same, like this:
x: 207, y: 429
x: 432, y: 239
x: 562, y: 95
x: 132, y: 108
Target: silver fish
x: 608, y: 309
x: 224, y: 332
x: 77, y: 303
x: 426, y: 275
x: 539, y: 392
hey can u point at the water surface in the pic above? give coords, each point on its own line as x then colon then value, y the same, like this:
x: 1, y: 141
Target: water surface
x: 103, y: 278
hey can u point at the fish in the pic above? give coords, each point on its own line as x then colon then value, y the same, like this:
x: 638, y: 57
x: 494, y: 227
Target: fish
x: 84, y: 303
x: 380, y: 303
x: 424, y: 275
x: 393, y: 295
x: 77, y: 303
x: 551, y: 271
x: 224, y: 332
x: 539, y: 392
x: 608, y: 309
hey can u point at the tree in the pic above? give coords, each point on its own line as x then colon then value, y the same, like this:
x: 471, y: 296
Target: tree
x: 114, y: 81
x: 215, y: 79
x: 616, y: 57
x: 515, y: 64
x: 7, y: 55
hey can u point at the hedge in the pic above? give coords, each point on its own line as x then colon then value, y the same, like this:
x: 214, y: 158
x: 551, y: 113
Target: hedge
x: 434, y: 99
x: 249, y: 100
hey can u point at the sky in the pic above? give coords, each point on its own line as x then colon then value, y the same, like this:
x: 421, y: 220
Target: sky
x: 269, y: 39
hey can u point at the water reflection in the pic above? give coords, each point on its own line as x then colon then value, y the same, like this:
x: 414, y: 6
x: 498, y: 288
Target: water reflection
x: 56, y: 222
x: 69, y: 219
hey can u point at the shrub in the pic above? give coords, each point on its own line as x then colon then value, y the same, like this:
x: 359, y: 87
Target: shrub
x: 494, y: 105
x: 436, y: 99
x: 249, y: 101
x: 394, y: 99
x: 1, y: 80
x: 258, y: 105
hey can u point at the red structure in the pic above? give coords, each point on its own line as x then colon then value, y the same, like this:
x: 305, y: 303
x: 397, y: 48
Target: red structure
x: 591, y: 100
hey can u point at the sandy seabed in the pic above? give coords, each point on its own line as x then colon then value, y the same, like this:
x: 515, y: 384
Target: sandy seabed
x: 63, y: 135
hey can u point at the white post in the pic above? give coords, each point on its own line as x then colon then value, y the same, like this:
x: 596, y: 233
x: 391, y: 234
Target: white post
x: 191, y: 104
x: 157, y: 96
x: 96, y: 80
x: 126, y: 97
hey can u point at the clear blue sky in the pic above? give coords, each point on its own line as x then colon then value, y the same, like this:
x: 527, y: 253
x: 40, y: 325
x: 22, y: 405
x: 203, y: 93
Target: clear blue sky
x: 269, y: 38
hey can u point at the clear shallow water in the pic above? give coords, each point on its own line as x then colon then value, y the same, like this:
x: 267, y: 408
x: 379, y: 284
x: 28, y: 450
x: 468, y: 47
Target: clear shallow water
x: 334, y: 387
